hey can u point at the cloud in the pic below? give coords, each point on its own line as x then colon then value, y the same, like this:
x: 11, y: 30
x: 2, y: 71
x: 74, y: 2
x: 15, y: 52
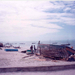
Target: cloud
x: 29, y: 18
x: 67, y: 9
x: 68, y: 21
x: 45, y: 24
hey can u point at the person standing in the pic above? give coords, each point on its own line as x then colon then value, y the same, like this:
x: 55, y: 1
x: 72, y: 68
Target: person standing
x: 34, y: 49
x: 31, y: 48
x: 39, y: 42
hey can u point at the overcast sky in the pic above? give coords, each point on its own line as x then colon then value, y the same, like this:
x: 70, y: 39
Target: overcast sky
x: 37, y: 20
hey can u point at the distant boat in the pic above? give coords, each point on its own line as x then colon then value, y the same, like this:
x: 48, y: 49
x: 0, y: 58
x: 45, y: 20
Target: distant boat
x: 65, y: 44
x: 33, y: 43
x: 22, y: 43
x: 8, y: 45
x: 16, y: 46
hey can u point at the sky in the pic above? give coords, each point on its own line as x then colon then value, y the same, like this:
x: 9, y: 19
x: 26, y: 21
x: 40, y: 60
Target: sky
x: 37, y: 20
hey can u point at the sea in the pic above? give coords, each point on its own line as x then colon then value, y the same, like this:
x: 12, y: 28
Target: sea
x: 27, y: 44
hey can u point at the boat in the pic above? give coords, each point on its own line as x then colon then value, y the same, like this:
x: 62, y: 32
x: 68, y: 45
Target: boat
x: 7, y: 45
x: 55, y: 51
x: 11, y: 49
x: 29, y: 52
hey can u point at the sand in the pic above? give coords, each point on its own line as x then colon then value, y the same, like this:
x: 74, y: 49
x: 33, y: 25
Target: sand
x: 18, y: 59
x: 20, y: 64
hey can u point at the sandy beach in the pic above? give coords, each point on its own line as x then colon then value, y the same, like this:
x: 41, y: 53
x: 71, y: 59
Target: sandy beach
x: 20, y: 63
x: 18, y: 59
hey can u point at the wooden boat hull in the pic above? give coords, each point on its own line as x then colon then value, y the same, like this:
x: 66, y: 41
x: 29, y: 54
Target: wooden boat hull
x: 52, y: 51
